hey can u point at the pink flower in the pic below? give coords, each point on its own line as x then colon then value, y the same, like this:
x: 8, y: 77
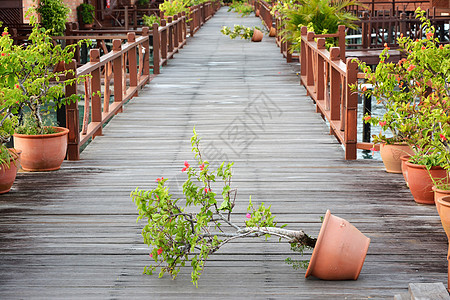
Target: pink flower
x: 248, y: 216
x: 151, y: 255
x: 4, y: 33
x: 160, y: 250
x: 382, y: 123
x: 367, y: 118
x: 202, y: 166
x: 410, y: 68
x: 17, y: 86
x: 443, y: 138
x: 159, y: 179
x: 186, y: 166
x: 207, y: 190
x: 429, y: 35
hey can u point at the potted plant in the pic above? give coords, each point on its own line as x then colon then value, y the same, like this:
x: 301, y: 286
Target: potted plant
x: 241, y: 7
x: 9, y: 158
x: 188, y: 230
x: 415, y: 92
x: 86, y: 15
x: 54, y: 14
x: 30, y: 79
x: 253, y: 33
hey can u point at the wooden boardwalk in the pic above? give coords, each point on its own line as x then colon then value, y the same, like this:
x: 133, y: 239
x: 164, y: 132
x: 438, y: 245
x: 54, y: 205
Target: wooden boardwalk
x: 72, y: 234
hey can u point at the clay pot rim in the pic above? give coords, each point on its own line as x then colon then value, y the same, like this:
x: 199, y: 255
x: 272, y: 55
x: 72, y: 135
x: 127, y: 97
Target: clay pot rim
x: 445, y: 201
x: 60, y: 131
x: 312, y: 261
x: 405, y: 157
x: 416, y: 166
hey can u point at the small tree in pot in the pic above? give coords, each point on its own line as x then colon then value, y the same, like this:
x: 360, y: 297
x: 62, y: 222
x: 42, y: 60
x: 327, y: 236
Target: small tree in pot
x: 179, y: 236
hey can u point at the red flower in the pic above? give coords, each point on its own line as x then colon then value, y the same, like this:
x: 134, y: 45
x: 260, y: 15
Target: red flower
x: 159, y: 179
x: 207, y: 190
x: 423, y: 48
x: 382, y: 123
x: 441, y: 46
x: 160, y: 250
x: 364, y: 88
x: 367, y: 118
x: 401, y: 35
x: 186, y: 166
x: 4, y: 33
x: 386, y: 46
x: 443, y: 138
x: 17, y: 86
x: 429, y: 35
x: 3, y: 54
x: 410, y: 68
x: 202, y: 166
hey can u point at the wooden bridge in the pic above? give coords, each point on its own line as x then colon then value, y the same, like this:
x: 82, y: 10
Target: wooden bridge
x: 72, y: 233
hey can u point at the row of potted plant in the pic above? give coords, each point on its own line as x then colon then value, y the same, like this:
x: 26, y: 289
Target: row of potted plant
x: 415, y: 94
x: 30, y: 88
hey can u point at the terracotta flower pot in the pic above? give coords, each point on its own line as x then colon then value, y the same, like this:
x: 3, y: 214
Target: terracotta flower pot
x: 404, y: 159
x: 44, y: 152
x: 8, y: 173
x: 340, y: 250
x: 257, y: 13
x: 420, y: 182
x: 272, y: 32
x: 257, y: 36
x: 444, y: 214
x: 438, y: 194
x: 390, y: 154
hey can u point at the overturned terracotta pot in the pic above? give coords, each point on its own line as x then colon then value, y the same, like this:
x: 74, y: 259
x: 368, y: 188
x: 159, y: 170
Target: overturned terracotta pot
x: 340, y: 250
x: 257, y: 36
x: 272, y: 32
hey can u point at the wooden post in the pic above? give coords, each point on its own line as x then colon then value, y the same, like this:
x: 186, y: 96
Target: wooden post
x: 156, y: 48
x: 96, y: 106
x: 320, y: 87
x: 126, y: 18
x: 309, y: 60
x: 164, y: 42
x: 72, y: 116
x: 403, y: 24
x: 118, y: 73
x: 146, y: 46
x: 304, y: 32
x: 170, y: 35
x: 341, y: 39
x: 365, y: 35
x: 335, y: 86
x: 351, y: 106
x: 176, y: 33
x: 132, y: 62
x: 191, y: 22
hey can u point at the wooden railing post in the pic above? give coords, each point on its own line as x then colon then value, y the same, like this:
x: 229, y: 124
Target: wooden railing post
x: 126, y: 18
x: 341, y: 41
x: 156, y: 49
x: 175, y: 32
x: 118, y: 73
x: 72, y: 116
x: 184, y: 33
x: 146, y: 47
x: 351, y: 105
x: 164, y: 41
x: 96, y: 105
x: 335, y: 87
x: 309, y: 60
x: 132, y: 62
x: 170, y: 35
x: 304, y: 32
x: 192, y: 20
x: 365, y: 35
x: 319, y: 86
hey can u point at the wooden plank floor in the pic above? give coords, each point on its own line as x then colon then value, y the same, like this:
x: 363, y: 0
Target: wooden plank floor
x: 71, y: 234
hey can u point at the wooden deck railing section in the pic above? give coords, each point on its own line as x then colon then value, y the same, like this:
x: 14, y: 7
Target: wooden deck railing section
x: 127, y: 67
x: 326, y: 78
x: 264, y: 13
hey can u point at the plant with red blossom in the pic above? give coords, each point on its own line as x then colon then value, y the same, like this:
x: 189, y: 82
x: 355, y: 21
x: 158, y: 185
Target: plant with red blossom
x: 188, y: 230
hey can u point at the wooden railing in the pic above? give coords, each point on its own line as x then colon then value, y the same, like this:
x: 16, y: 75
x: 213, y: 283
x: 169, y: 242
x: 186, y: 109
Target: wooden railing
x: 264, y: 13
x: 127, y: 67
x: 326, y: 78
